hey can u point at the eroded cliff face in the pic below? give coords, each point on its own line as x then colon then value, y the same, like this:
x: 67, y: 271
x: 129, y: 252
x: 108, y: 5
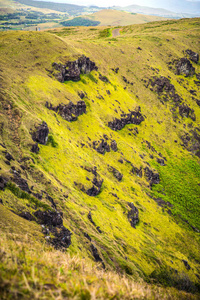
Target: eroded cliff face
x: 73, y: 69
x: 106, y: 163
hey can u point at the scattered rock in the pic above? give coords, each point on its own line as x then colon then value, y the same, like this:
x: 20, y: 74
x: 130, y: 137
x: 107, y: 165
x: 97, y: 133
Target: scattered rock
x: 21, y: 182
x: 116, y: 173
x: 35, y: 148
x: 152, y: 177
x: 95, y: 189
x: 186, y: 111
x: 184, y: 67
x: 72, y: 69
x: 161, y: 161
x: 70, y: 111
x: 186, y: 264
x: 87, y: 236
x: 134, y: 117
x: 3, y: 182
x: 96, y: 255
x: 90, y: 218
x: 41, y: 134
x: 26, y: 215
x: 53, y: 221
x: 193, y: 55
x: 133, y: 214
x: 116, y: 70
x: 137, y: 171
x: 9, y: 157
x: 101, y: 146
x: 103, y: 78
x: 49, y: 218
x: 163, y: 86
x: 113, y: 145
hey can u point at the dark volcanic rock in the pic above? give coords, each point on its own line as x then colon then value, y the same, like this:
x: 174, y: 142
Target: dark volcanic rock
x: 35, y: 148
x: 21, y: 182
x: 95, y: 189
x: 9, y: 157
x: 163, y: 86
x: 49, y: 218
x: 96, y: 255
x: 152, y: 177
x: 186, y: 264
x: 113, y: 145
x: 134, y: 117
x: 62, y: 239
x: 186, y: 111
x: 3, y: 182
x: 72, y: 69
x: 26, y: 215
x: 116, y: 173
x: 103, y: 78
x: 193, y: 55
x: 70, y: 111
x: 41, y: 134
x: 137, y: 171
x: 87, y: 236
x: 53, y: 221
x: 90, y: 218
x: 101, y: 146
x: 184, y: 67
x: 133, y: 214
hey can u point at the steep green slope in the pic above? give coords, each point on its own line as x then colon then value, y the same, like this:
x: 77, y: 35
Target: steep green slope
x: 153, y: 163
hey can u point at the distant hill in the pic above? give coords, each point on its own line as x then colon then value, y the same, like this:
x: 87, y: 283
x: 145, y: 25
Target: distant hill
x: 71, y: 9
x: 154, y: 11
x: 121, y: 18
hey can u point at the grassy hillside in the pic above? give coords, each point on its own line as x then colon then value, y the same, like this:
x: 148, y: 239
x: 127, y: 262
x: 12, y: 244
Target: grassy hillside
x: 121, y: 18
x: 153, y: 164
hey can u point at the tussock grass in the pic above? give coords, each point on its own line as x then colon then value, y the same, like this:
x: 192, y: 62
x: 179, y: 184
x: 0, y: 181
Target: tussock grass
x: 29, y: 271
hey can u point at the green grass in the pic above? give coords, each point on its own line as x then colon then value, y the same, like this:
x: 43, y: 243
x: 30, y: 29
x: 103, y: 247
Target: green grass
x: 159, y: 239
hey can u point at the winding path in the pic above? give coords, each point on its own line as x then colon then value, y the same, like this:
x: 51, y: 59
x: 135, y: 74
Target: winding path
x: 116, y: 32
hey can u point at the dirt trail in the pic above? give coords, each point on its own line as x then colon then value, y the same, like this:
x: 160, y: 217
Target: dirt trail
x: 116, y: 32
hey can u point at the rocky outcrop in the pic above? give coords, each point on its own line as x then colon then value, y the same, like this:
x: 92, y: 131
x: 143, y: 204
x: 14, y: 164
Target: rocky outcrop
x: 193, y: 55
x: 40, y: 135
x: 191, y: 141
x: 95, y: 189
x: 116, y: 173
x: 20, y: 182
x: 52, y: 222
x: 70, y: 111
x: 186, y: 111
x: 137, y: 171
x: 3, y: 182
x: 91, y: 220
x: 162, y: 86
x: 35, y: 148
x: 102, y: 146
x: 96, y: 255
x: 151, y: 176
x: 184, y: 67
x: 134, y: 117
x: 96, y: 183
x: 8, y: 156
x: 133, y: 214
x: 73, y: 69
